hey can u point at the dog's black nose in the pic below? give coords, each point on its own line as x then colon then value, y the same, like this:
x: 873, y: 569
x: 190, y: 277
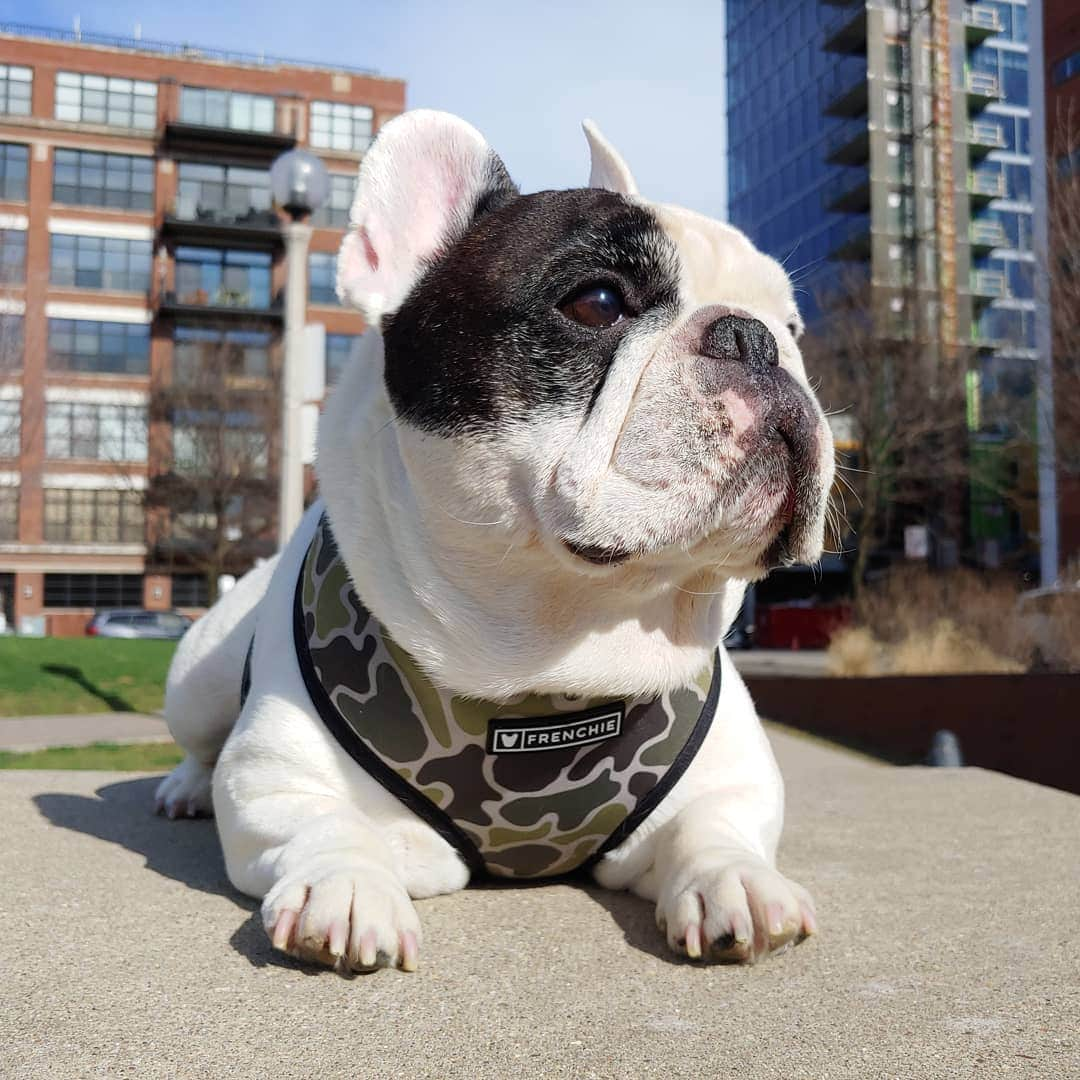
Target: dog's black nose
x: 733, y: 337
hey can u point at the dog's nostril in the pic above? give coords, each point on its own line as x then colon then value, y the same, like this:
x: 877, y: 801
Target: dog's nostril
x: 732, y: 337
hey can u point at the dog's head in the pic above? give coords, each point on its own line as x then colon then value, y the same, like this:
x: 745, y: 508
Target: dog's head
x: 618, y: 379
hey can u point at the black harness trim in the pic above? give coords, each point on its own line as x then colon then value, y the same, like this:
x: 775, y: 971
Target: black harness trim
x: 354, y: 746
x: 423, y: 807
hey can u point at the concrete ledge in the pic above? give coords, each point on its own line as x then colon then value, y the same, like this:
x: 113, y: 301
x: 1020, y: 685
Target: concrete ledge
x: 948, y: 905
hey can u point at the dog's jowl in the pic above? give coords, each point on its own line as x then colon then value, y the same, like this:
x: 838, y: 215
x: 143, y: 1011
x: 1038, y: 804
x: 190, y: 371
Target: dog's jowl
x: 578, y: 425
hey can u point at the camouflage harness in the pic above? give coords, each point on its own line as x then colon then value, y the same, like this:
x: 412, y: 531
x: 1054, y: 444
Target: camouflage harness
x: 533, y: 787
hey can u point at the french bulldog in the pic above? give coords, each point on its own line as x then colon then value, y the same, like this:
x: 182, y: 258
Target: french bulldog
x: 578, y: 425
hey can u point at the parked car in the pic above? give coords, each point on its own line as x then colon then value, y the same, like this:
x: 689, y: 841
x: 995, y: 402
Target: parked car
x: 137, y: 623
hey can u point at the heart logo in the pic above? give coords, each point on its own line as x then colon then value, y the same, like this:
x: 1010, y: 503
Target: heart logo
x: 509, y: 738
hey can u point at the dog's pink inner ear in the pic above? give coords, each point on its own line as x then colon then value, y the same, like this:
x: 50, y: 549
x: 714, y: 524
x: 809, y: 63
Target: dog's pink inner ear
x: 370, y: 254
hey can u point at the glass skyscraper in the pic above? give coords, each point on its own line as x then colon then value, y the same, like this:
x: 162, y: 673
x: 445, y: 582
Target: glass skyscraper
x: 896, y: 139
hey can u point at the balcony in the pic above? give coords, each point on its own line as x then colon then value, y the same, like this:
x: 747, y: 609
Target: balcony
x: 226, y: 143
x: 851, y: 195
x: 849, y: 144
x: 983, y: 342
x: 987, y: 235
x: 847, y: 33
x: 987, y: 286
x: 845, y: 96
x: 983, y: 137
x: 982, y: 89
x: 985, y: 187
x: 980, y: 22
x: 224, y: 304
x: 850, y: 240
x: 203, y: 225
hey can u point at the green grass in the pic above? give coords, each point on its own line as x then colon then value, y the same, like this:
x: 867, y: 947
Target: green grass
x: 127, y: 757
x: 82, y: 675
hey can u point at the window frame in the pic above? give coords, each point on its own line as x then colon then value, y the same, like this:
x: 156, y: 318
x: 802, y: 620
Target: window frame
x: 7, y: 82
x: 16, y: 193
x: 84, y: 192
x: 125, y: 527
x: 137, y: 362
x: 85, y: 251
x: 333, y: 125
x: 71, y: 425
x: 78, y: 93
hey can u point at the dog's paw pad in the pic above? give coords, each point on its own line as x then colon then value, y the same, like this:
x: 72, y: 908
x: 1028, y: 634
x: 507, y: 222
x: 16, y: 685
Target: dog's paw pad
x: 738, y: 912
x: 354, y: 918
x: 185, y: 792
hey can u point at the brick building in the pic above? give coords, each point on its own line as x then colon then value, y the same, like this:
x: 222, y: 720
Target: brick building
x: 135, y: 223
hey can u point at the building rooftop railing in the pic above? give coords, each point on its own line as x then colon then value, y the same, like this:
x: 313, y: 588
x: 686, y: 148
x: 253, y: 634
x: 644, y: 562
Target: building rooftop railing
x: 176, y: 50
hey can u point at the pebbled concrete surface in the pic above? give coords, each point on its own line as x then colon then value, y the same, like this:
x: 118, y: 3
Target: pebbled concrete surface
x: 949, y: 948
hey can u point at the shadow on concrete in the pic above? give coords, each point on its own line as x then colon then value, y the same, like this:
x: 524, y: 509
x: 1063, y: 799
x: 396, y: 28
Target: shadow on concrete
x: 122, y: 813
x: 636, y: 918
x: 186, y: 850
x: 115, y: 702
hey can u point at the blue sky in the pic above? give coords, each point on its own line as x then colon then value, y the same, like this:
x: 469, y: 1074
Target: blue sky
x: 525, y: 72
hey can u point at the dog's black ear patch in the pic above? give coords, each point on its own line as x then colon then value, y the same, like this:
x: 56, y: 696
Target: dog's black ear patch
x: 480, y: 341
x: 499, y: 191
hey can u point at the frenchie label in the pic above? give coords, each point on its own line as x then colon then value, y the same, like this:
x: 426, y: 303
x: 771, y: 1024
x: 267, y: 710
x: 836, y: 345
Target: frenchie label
x: 554, y: 732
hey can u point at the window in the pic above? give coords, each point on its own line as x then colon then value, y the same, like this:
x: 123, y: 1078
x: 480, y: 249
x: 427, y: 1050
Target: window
x: 93, y: 590
x: 322, y: 275
x: 336, y: 126
x: 223, y: 277
x: 236, y: 355
x: 14, y: 163
x: 1066, y: 69
x: 101, y: 347
x: 15, y: 84
x: 209, y: 442
x: 338, y: 350
x: 12, y: 256
x: 9, y: 513
x: 10, y: 428
x: 225, y: 109
x: 81, y: 177
x: 95, y: 262
x: 11, y: 343
x: 221, y: 192
x: 334, y: 213
x: 88, y: 517
x: 95, y: 432
x: 190, y: 590
x: 100, y: 99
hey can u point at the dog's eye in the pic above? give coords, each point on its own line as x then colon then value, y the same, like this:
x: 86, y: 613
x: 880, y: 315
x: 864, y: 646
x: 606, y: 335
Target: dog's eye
x: 795, y: 328
x: 597, y: 306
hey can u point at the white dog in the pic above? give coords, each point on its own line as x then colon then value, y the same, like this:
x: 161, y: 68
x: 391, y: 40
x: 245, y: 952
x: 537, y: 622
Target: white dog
x: 579, y: 425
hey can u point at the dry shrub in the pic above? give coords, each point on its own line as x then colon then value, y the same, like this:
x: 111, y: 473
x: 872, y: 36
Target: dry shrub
x: 917, y: 623
x: 853, y: 651
x: 946, y: 649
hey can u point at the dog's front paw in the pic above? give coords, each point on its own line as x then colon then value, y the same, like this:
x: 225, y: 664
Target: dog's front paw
x: 185, y: 792
x: 733, y: 910
x: 353, y: 915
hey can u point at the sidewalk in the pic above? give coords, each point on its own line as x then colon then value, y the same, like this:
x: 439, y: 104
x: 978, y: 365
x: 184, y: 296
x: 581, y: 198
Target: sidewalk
x: 39, y: 732
x: 949, y: 948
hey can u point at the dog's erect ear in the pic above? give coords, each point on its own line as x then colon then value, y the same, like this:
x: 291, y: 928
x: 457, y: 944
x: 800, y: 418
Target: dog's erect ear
x: 423, y: 182
x: 608, y: 170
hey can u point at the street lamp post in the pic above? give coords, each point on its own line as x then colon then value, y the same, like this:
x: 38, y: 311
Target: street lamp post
x: 299, y: 185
